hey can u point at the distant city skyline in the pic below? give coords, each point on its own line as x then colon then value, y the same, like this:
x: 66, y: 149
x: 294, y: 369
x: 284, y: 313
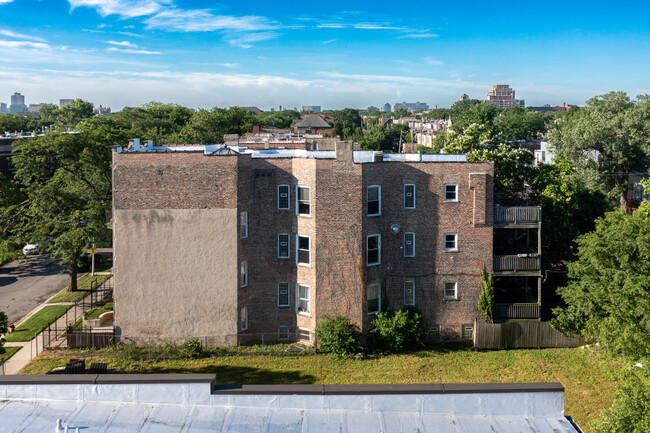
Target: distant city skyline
x: 200, y: 54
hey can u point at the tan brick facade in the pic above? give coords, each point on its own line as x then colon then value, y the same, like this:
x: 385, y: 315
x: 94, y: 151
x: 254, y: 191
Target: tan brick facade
x: 337, y: 227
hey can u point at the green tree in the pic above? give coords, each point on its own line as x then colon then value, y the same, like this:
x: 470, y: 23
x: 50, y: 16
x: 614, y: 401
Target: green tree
x: 608, y: 297
x: 209, y: 127
x: 17, y: 122
x: 67, y: 181
x: 398, y: 330
x: 49, y: 114
x: 630, y: 412
x: 517, y: 123
x: 486, y: 297
x: 75, y: 112
x: 347, y: 124
x: 377, y: 138
x: 279, y: 119
x: 605, y: 141
x: 471, y: 111
x: 4, y: 326
x: 155, y: 121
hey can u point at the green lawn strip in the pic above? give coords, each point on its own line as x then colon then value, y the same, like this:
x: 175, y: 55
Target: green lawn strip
x: 7, y: 351
x: 104, y: 266
x: 34, y: 325
x: 586, y: 376
x: 83, y: 288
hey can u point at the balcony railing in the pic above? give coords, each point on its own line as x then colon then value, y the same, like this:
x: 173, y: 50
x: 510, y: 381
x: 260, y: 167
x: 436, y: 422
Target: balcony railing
x: 515, y: 311
x: 517, y: 214
x: 516, y: 263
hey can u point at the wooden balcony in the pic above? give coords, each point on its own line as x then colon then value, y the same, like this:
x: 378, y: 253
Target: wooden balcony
x: 517, y: 264
x: 502, y: 312
x: 517, y: 215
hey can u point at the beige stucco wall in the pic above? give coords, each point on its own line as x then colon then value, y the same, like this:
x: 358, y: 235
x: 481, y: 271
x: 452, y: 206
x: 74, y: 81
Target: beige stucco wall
x: 176, y: 273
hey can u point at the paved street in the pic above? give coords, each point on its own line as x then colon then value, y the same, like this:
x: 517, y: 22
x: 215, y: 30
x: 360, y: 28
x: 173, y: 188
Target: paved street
x: 26, y: 283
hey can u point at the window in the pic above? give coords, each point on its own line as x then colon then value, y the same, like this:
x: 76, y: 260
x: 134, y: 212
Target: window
x: 372, y: 298
x: 374, y: 200
x: 283, y: 197
x: 302, y: 253
x: 283, y: 333
x: 451, y: 290
x: 283, y: 294
x: 451, y: 192
x: 244, y: 318
x: 283, y: 246
x: 303, y: 200
x: 243, y: 274
x: 468, y: 332
x: 409, y: 196
x: 434, y: 331
x: 303, y: 299
x: 451, y: 241
x: 304, y: 335
x: 243, y: 225
x: 409, y: 292
x: 409, y: 244
x: 373, y: 249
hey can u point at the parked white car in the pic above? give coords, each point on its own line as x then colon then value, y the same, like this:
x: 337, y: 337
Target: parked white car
x: 30, y: 249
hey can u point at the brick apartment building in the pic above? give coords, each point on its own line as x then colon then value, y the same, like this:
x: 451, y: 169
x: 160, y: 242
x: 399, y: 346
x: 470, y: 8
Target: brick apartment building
x: 229, y: 242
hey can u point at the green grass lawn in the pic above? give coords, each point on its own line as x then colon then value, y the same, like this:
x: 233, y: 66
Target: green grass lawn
x: 104, y: 266
x: 83, y: 288
x: 92, y: 314
x: 7, y: 352
x: 587, y: 376
x: 35, y: 323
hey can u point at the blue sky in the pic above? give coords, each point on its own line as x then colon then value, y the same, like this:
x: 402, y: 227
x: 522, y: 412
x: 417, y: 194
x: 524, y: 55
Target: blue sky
x: 335, y: 54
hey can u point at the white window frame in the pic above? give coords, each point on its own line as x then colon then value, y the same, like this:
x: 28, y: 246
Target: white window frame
x: 405, y: 187
x: 288, y: 237
x: 244, y: 319
x: 412, y: 284
x: 444, y: 290
x: 243, y: 274
x: 378, y: 200
x: 288, y: 197
x: 412, y: 244
x: 378, y: 298
x: 455, y: 248
x: 288, y: 286
x: 282, y: 331
x: 299, y: 299
x: 455, y: 185
x: 243, y: 225
x: 368, y: 263
x: 298, y: 251
x: 298, y: 187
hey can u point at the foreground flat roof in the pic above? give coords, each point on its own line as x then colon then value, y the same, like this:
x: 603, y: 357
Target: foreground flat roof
x: 192, y: 403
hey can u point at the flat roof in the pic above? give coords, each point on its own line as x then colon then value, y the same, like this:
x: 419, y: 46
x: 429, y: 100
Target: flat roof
x: 192, y: 403
x: 360, y: 156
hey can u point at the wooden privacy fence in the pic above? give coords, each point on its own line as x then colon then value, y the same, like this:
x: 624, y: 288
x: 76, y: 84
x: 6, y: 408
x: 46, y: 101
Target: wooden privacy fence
x: 521, y: 335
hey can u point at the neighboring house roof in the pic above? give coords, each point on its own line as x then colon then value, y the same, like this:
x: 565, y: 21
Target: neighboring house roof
x: 192, y: 403
x: 312, y: 121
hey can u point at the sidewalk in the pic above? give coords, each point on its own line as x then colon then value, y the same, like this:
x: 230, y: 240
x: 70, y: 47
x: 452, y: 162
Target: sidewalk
x: 31, y: 349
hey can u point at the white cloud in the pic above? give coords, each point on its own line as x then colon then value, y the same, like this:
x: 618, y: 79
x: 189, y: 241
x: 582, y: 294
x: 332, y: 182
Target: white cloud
x: 229, y: 65
x: 122, y: 44
x: 5, y: 1
x: 329, y: 41
x: 433, y: 61
x: 420, y: 35
x: 244, y: 40
x: 123, y: 8
x: 132, y: 51
x: 201, y: 20
x: 376, y: 27
x: 24, y: 44
x: 15, y: 35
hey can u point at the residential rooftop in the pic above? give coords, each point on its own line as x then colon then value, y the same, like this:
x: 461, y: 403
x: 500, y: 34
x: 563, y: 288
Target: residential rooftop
x: 360, y: 156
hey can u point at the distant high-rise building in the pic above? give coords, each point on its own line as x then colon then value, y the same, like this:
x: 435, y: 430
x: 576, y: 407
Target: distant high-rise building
x: 33, y: 108
x: 17, y: 104
x: 64, y: 102
x: 102, y: 110
x: 464, y: 97
x: 387, y: 108
x: 502, y: 96
x: 411, y: 106
x: 3, y: 108
x: 372, y: 108
x: 312, y: 108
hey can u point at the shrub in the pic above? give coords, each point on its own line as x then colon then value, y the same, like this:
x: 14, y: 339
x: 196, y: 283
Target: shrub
x: 398, y: 330
x: 339, y: 336
x: 191, y: 348
x: 486, y: 297
x: 4, y: 322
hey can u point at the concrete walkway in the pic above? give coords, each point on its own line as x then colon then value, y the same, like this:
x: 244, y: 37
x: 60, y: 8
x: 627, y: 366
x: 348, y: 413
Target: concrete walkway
x: 31, y: 349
